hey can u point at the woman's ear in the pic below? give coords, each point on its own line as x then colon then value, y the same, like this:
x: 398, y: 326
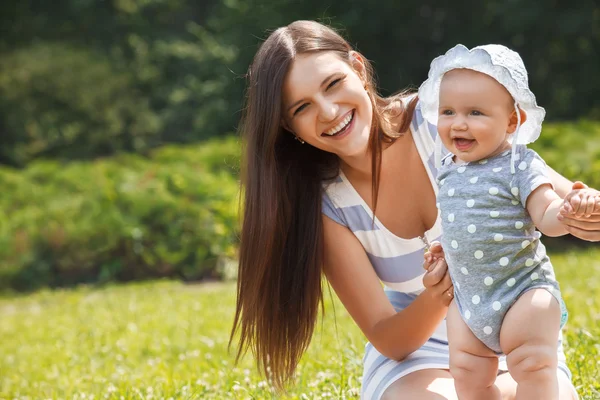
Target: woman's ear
x: 285, y: 125
x: 358, y: 64
x: 514, y: 120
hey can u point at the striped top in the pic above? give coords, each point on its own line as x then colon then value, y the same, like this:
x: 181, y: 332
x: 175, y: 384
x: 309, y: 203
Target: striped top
x: 397, y: 261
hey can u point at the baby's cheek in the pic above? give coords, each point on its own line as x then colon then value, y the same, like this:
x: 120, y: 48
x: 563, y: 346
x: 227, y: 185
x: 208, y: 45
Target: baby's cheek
x: 444, y: 131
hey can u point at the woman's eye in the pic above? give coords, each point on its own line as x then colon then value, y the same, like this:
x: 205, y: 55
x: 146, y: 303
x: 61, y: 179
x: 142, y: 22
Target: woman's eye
x: 333, y: 83
x: 302, y: 107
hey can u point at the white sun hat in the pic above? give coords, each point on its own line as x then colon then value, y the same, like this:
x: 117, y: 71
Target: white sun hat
x: 502, y: 64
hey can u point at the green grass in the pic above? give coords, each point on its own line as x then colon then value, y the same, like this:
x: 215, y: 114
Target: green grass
x: 168, y: 340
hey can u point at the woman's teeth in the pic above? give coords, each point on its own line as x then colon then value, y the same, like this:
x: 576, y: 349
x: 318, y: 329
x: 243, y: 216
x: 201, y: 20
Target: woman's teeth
x: 341, y: 126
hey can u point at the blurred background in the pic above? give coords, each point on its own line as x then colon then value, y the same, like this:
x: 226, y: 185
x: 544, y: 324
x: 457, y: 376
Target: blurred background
x: 119, y: 159
x: 118, y: 117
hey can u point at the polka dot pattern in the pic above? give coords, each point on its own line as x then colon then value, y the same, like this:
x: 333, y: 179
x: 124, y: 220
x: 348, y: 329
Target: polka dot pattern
x: 493, y: 234
x: 519, y: 225
x: 529, y: 262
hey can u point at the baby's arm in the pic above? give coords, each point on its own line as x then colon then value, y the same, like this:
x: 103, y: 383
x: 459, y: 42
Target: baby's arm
x: 543, y: 204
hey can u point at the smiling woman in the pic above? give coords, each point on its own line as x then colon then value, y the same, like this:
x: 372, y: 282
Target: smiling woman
x: 341, y: 181
x: 333, y: 103
x: 305, y: 83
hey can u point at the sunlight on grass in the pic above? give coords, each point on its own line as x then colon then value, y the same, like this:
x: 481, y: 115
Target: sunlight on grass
x: 169, y: 340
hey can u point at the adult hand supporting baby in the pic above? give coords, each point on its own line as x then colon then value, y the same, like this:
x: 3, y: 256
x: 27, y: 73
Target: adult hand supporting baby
x: 437, y: 279
x: 581, y: 212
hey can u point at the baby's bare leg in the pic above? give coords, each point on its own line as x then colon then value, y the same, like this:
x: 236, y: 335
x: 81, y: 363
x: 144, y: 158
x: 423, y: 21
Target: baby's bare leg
x: 528, y: 336
x: 472, y: 364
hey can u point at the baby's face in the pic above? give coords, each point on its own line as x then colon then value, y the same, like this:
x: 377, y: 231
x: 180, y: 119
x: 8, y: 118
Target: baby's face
x: 474, y: 115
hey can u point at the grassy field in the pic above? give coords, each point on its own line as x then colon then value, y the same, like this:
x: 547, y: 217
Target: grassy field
x: 168, y: 340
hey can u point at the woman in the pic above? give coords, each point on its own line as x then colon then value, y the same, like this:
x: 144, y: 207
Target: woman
x: 323, y: 150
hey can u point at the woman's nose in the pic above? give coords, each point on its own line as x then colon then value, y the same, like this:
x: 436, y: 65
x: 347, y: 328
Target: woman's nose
x: 328, y: 111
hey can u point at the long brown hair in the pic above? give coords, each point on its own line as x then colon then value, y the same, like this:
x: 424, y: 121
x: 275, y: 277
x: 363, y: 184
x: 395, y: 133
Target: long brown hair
x: 281, y: 250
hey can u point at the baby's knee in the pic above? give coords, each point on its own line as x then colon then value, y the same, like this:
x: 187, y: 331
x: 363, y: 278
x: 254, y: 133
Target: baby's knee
x: 468, y: 367
x: 531, y: 361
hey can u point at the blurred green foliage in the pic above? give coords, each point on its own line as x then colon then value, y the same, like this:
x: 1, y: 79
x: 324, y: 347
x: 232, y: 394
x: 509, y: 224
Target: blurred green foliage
x: 173, y: 214
x: 85, y: 79
x: 573, y: 149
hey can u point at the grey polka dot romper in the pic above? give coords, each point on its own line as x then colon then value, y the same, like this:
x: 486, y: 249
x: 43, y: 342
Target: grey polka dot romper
x: 493, y: 250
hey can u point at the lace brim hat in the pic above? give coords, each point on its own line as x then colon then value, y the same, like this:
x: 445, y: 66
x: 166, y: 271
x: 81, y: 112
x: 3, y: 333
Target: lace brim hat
x: 500, y: 63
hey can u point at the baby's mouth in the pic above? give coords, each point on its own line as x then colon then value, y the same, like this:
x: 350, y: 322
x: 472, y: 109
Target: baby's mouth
x: 462, y: 143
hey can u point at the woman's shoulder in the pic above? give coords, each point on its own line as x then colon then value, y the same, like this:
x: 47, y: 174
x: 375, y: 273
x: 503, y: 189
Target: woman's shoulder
x: 334, y: 198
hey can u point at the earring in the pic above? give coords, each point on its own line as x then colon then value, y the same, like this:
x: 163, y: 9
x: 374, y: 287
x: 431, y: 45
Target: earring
x: 298, y: 138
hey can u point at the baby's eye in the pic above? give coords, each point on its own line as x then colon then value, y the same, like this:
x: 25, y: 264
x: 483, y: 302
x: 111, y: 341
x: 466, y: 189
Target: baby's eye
x: 476, y: 112
x: 446, y: 112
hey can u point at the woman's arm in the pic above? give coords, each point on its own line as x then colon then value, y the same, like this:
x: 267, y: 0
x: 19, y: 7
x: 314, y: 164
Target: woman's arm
x: 562, y: 186
x: 350, y: 273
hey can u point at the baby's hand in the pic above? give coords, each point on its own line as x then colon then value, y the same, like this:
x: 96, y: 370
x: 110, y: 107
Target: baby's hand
x: 581, y: 202
x: 434, y: 253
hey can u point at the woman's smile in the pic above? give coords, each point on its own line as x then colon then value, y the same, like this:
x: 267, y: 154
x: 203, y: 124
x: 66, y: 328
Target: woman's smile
x: 341, y: 129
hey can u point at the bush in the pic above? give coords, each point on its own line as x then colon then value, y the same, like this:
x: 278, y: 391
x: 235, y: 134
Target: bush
x: 573, y: 149
x: 63, y: 102
x: 173, y: 214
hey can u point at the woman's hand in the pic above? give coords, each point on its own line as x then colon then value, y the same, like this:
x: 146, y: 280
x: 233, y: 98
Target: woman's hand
x: 437, y: 279
x: 581, y: 212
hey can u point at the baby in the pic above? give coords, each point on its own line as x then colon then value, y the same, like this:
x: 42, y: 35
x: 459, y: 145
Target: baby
x: 493, y: 193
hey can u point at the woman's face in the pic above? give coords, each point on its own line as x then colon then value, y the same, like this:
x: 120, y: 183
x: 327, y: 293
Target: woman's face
x: 325, y: 103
